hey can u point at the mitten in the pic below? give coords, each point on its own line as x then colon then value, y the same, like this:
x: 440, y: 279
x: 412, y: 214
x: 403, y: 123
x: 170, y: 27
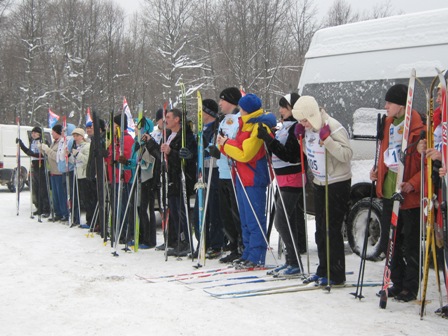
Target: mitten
x: 324, y: 132
x: 299, y: 130
x: 185, y: 153
x: 214, y: 151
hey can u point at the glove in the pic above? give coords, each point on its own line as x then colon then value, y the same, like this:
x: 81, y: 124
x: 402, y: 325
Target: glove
x: 263, y: 134
x: 324, y: 132
x: 123, y: 160
x: 299, y: 130
x: 185, y: 153
x: 44, y: 147
x: 18, y: 140
x: 214, y: 151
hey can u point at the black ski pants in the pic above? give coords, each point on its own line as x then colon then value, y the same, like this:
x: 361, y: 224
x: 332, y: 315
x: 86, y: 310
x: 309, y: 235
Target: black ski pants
x: 338, y: 198
x: 230, y: 216
x: 405, y: 259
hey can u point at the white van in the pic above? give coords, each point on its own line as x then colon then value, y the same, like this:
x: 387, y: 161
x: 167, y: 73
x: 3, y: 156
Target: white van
x: 8, y: 154
x: 349, y: 68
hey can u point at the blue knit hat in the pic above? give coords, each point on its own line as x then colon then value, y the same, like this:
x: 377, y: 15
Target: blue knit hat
x: 250, y: 103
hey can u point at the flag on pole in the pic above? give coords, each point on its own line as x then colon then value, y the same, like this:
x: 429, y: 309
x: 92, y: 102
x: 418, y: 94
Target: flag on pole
x: 89, y: 121
x: 243, y: 93
x: 129, y: 118
x: 52, y: 118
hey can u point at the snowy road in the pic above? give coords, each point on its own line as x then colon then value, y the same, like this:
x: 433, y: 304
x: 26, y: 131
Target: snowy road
x: 56, y: 281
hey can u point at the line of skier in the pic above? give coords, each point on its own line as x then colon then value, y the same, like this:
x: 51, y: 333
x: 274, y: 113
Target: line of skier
x: 255, y: 172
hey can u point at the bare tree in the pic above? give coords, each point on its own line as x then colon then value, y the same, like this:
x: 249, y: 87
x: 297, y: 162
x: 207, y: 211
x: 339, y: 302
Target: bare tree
x: 380, y: 10
x: 304, y: 23
x: 340, y: 13
x: 70, y: 54
x: 27, y: 34
x: 171, y: 22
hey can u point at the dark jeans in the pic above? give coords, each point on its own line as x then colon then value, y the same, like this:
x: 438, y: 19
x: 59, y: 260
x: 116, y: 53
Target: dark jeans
x: 40, y: 192
x: 124, y: 225
x: 228, y: 210
x: 178, y: 226
x: 147, y: 223
x: 74, y: 192
x: 90, y: 200
x: 59, y: 194
x: 338, y: 198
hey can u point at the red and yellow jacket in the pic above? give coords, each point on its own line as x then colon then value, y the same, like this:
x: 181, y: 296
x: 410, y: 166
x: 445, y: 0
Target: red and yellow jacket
x: 248, y: 152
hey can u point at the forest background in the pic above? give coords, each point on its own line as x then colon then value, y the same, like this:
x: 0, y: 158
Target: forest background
x: 67, y: 55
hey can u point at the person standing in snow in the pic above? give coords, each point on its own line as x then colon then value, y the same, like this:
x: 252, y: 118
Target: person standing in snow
x: 40, y: 193
x: 149, y: 176
x: 79, y: 156
x: 214, y: 231
x: 251, y: 177
x: 285, y: 151
x: 405, y: 260
x: 58, y: 188
x: 178, y: 224
x: 329, y: 156
x: 91, y: 169
x: 123, y: 159
x: 228, y: 208
x: 435, y: 154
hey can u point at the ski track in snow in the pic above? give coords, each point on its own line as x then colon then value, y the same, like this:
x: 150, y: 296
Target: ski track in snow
x: 56, y: 281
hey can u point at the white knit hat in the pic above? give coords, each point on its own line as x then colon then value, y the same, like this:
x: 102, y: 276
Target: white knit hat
x: 79, y: 131
x: 307, y: 108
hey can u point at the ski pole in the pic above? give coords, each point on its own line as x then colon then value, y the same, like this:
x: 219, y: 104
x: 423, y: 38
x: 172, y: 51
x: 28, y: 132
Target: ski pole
x: 19, y: 168
x: 302, y: 161
x: 362, y: 265
x: 327, y: 223
x: 39, y: 189
x: 275, y: 185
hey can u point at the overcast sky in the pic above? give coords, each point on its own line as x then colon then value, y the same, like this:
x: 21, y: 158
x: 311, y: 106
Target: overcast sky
x: 407, y: 6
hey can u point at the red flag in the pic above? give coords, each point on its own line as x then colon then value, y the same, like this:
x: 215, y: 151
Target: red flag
x: 88, y: 118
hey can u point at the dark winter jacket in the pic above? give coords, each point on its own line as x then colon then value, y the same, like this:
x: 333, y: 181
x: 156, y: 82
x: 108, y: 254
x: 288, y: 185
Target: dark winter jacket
x: 286, y: 155
x: 33, y: 152
x: 102, y: 151
x: 174, y: 164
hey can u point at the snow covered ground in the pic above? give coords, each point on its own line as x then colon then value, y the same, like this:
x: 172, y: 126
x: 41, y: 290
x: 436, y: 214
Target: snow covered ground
x: 56, y: 281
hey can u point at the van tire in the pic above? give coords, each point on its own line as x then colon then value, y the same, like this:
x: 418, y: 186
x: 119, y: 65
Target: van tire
x: 12, y: 185
x: 356, y: 224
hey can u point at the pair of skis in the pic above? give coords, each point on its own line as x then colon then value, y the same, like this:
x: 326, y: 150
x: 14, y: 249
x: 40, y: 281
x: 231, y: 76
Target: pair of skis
x: 445, y: 178
x: 275, y: 289
x: 397, y: 197
x: 431, y: 227
x: 200, y: 186
x: 100, y: 177
x: 183, y: 168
